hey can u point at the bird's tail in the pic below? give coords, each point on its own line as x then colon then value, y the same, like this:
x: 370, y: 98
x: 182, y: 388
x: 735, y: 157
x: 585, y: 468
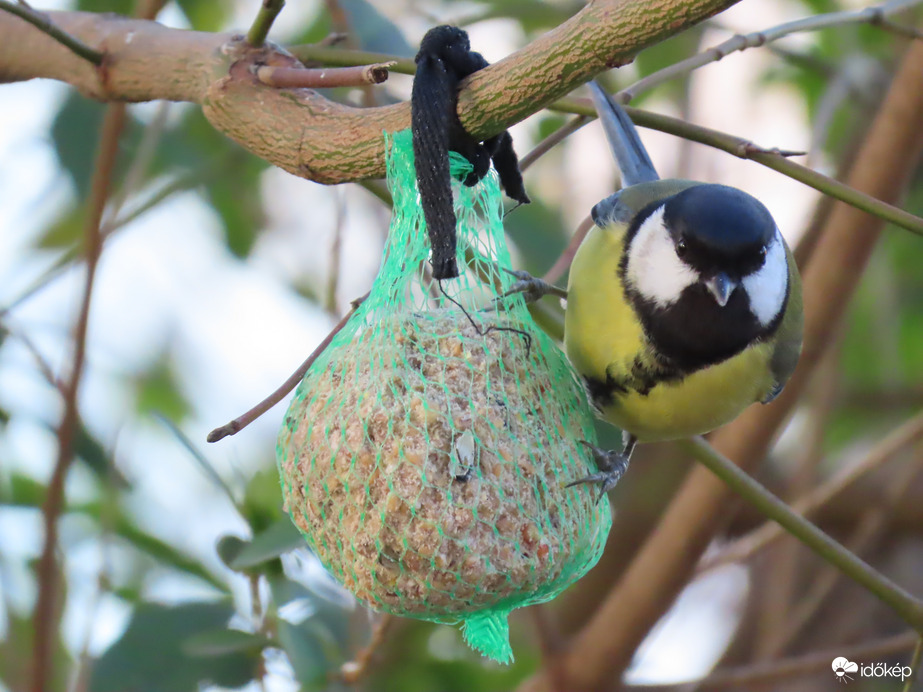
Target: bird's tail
x: 629, y: 152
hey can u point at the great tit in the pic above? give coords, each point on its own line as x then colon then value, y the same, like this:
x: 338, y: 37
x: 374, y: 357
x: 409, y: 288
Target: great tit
x: 683, y: 303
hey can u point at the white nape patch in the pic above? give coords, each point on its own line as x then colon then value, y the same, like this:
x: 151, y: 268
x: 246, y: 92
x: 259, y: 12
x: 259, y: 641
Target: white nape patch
x: 767, y: 286
x: 653, y: 268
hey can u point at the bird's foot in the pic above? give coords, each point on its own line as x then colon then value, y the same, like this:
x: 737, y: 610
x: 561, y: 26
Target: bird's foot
x: 611, y: 466
x: 531, y: 288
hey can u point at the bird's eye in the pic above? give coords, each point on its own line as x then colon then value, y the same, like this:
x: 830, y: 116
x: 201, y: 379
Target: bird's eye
x: 763, y: 252
x: 680, y: 248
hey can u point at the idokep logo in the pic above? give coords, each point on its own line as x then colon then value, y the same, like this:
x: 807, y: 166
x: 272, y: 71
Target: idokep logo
x: 842, y: 668
x: 845, y: 670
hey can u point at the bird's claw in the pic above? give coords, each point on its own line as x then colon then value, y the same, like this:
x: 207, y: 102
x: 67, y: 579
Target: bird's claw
x: 611, y: 467
x: 530, y: 287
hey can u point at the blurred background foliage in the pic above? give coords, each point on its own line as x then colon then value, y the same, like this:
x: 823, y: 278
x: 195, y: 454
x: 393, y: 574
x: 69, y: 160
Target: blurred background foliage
x: 146, y: 607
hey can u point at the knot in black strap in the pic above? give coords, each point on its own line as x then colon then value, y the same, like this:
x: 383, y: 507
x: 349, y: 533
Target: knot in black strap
x: 446, y: 58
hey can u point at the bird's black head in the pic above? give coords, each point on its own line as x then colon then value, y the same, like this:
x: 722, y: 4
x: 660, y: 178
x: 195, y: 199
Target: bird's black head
x: 707, y: 272
x: 719, y: 229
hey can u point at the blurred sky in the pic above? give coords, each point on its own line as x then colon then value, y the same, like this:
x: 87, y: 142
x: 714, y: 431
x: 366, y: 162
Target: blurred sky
x: 167, y: 286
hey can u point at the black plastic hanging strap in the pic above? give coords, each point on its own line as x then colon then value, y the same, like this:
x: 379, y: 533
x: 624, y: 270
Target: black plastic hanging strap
x: 445, y: 58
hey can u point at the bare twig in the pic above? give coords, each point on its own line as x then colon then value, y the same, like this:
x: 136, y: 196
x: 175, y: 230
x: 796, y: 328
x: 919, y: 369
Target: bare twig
x: 42, y: 22
x: 316, y: 53
x: 48, y: 570
x: 140, y: 162
x: 904, y: 604
x: 747, y: 677
x: 333, y: 278
x: 553, y: 140
x: 874, y: 522
x: 307, y: 78
x: 747, y: 150
x: 266, y: 15
x: 245, y: 419
x: 868, y: 15
x: 897, y: 441
x: 914, y: 665
x: 353, y: 671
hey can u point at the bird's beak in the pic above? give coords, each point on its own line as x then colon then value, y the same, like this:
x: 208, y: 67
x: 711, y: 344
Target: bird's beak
x: 721, y: 286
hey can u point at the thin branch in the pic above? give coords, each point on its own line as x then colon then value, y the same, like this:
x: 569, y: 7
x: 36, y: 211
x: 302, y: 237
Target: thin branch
x: 302, y: 78
x: 747, y: 677
x: 894, y: 443
x: 875, y: 16
x: 914, y: 665
x: 333, y: 278
x: 245, y: 419
x: 266, y: 15
x: 904, y: 604
x: 353, y: 671
x: 140, y: 163
x: 345, y: 57
x: 48, y: 569
x: 552, y: 141
x: 770, y: 158
x: 42, y: 22
x: 874, y: 523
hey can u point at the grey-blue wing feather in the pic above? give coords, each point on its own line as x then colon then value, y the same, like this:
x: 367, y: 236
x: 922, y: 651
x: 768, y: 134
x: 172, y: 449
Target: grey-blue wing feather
x: 626, y: 145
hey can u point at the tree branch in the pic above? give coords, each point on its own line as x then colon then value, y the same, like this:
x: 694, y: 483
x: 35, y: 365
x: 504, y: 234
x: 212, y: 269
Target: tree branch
x: 41, y: 22
x: 301, y: 131
x: 868, y: 15
x: 48, y: 571
x: 903, y: 603
x: 771, y: 158
x: 266, y: 15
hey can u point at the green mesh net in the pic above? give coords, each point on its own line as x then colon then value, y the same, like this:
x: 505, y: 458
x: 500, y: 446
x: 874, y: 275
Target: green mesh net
x: 425, y: 453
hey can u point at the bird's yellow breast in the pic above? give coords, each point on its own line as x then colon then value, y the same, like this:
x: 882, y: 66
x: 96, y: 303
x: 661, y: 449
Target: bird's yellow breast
x: 603, y: 338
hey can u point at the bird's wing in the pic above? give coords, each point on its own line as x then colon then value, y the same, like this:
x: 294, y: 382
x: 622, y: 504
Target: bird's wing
x: 626, y: 145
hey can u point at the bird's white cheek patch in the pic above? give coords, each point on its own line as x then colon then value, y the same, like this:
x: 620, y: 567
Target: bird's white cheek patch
x: 653, y: 268
x: 767, y: 286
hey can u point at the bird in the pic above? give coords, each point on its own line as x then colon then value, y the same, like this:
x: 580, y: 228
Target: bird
x: 683, y: 304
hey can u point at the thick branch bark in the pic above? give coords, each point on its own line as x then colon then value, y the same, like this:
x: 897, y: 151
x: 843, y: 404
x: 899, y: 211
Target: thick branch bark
x: 301, y: 131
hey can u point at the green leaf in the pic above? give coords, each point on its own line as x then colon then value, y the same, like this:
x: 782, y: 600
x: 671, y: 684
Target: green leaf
x: 206, y: 15
x: 234, y: 193
x: 374, y: 31
x: 16, y: 655
x: 306, y: 653
x: 119, y: 6
x: 158, y: 390
x: 279, y: 539
x: 75, y: 133
x: 66, y: 231
x: 538, y: 232
x: 151, y: 655
x: 229, y: 547
x: 222, y: 641
x: 262, y: 505
x: 23, y: 491
x: 94, y: 455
